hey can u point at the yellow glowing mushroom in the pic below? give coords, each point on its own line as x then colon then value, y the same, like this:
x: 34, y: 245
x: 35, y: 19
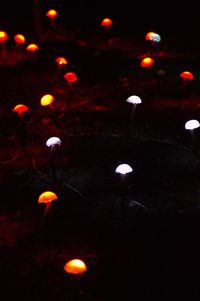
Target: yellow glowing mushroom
x: 47, y: 100
x: 75, y: 267
x: 47, y: 198
x: 52, y: 14
x: 3, y: 36
x: 32, y: 48
x: 147, y: 62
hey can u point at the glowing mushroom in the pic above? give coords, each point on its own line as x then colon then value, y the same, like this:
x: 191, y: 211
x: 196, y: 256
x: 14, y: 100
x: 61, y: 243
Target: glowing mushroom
x: 106, y: 23
x: 20, y: 109
x: 75, y: 267
x: 61, y: 62
x: 47, y: 198
x: 19, y: 39
x: 52, y: 143
x: 147, y: 62
x: 3, y: 39
x: 52, y: 14
x: 47, y: 100
x: 153, y: 37
x: 32, y: 48
x: 134, y: 100
x: 123, y: 170
x: 187, y: 76
x: 191, y: 125
x: 71, y: 78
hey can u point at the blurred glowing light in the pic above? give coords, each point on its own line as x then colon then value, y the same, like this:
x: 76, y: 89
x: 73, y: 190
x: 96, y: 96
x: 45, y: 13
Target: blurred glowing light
x: 3, y: 36
x: 187, y: 75
x: 123, y: 169
x: 106, y: 22
x: 19, y: 39
x: 20, y: 109
x: 32, y: 48
x: 134, y: 99
x: 147, y: 62
x: 152, y: 36
x: 61, y: 61
x: 47, y: 197
x: 53, y: 141
x: 47, y: 100
x: 75, y: 266
x: 71, y: 77
x: 52, y: 14
x: 192, y: 124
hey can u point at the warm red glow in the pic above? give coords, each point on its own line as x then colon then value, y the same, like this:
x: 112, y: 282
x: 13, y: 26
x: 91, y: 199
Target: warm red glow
x: 20, y: 109
x: 47, y: 100
x: 149, y: 35
x: 19, y: 38
x: 187, y: 75
x: 106, y: 22
x: 47, y: 197
x: 52, y: 14
x: 61, y: 61
x: 75, y: 266
x: 3, y: 36
x: 147, y: 62
x: 32, y: 47
x: 71, y: 77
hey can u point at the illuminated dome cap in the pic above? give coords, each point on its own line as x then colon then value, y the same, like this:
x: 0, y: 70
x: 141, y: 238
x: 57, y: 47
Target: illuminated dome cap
x: 134, y: 99
x: 53, y: 141
x: 61, y: 61
x: 123, y: 169
x: 147, y: 62
x: 32, y: 47
x: 75, y: 266
x: 3, y: 36
x: 19, y: 38
x: 47, y: 197
x: 152, y: 36
x: 187, y: 75
x: 47, y: 100
x: 106, y: 22
x: 192, y: 124
x: 52, y: 14
x: 20, y: 108
x: 71, y: 77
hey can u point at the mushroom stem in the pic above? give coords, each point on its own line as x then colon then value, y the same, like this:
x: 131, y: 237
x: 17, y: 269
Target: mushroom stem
x: 52, y: 163
x: 123, y: 191
x: 23, y: 133
x: 48, y: 206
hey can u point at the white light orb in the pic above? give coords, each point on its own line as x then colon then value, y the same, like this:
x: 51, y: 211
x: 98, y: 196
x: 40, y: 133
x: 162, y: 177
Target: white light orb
x: 134, y: 99
x: 53, y: 141
x: 192, y: 124
x: 155, y: 38
x: 123, y: 169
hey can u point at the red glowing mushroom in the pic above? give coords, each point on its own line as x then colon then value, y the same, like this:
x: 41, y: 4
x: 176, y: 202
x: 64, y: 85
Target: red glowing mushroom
x: 187, y: 75
x: 147, y: 62
x: 70, y: 77
x: 20, y: 109
x: 106, y: 22
x: 19, y: 39
x: 52, y: 14
x: 47, y: 198
x: 61, y: 61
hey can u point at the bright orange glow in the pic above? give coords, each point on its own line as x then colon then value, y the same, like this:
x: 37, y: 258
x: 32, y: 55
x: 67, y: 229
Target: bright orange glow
x: 3, y: 36
x: 47, y: 100
x: 187, y: 75
x: 19, y: 38
x: 47, y: 197
x: 61, y: 61
x: 75, y: 266
x: 106, y: 22
x: 32, y: 47
x: 52, y: 14
x: 20, y: 109
x: 149, y: 35
x: 71, y: 77
x: 147, y: 62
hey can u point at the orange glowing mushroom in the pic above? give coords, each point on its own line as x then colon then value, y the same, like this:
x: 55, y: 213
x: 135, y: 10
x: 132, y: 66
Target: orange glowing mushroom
x: 149, y: 35
x: 71, y: 77
x: 52, y: 14
x: 153, y: 37
x: 47, y: 100
x: 47, y: 198
x: 20, y: 109
x: 75, y: 267
x: 3, y: 36
x: 32, y: 48
x: 147, y: 62
x: 61, y: 61
x: 106, y: 22
x: 187, y: 75
x: 19, y: 39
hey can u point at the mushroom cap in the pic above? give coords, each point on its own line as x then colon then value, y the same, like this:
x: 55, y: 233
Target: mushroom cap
x: 20, y: 108
x: 192, y: 124
x: 52, y: 14
x: 19, y: 38
x: 106, y: 22
x: 61, y: 61
x: 71, y: 77
x: 75, y: 266
x: 134, y: 99
x: 47, y: 100
x: 187, y: 75
x: 53, y: 141
x: 47, y: 197
x: 123, y: 169
x: 3, y: 36
x: 32, y: 47
x: 147, y: 62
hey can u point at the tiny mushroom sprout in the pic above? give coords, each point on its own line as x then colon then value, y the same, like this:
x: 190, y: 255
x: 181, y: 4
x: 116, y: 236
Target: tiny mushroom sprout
x: 106, y: 22
x: 147, y: 62
x: 123, y: 169
x: 134, y: 100
x: 191, y: 125
x: 75, y: 267
x: 47, y: 198
x: 52, y: 143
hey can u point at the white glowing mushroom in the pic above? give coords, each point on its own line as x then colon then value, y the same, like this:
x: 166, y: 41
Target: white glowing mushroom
x: 191, y: 125
x: 134, y: 100
x: 123, y: 169
x: 155, y: 37
x: 51, y: 142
